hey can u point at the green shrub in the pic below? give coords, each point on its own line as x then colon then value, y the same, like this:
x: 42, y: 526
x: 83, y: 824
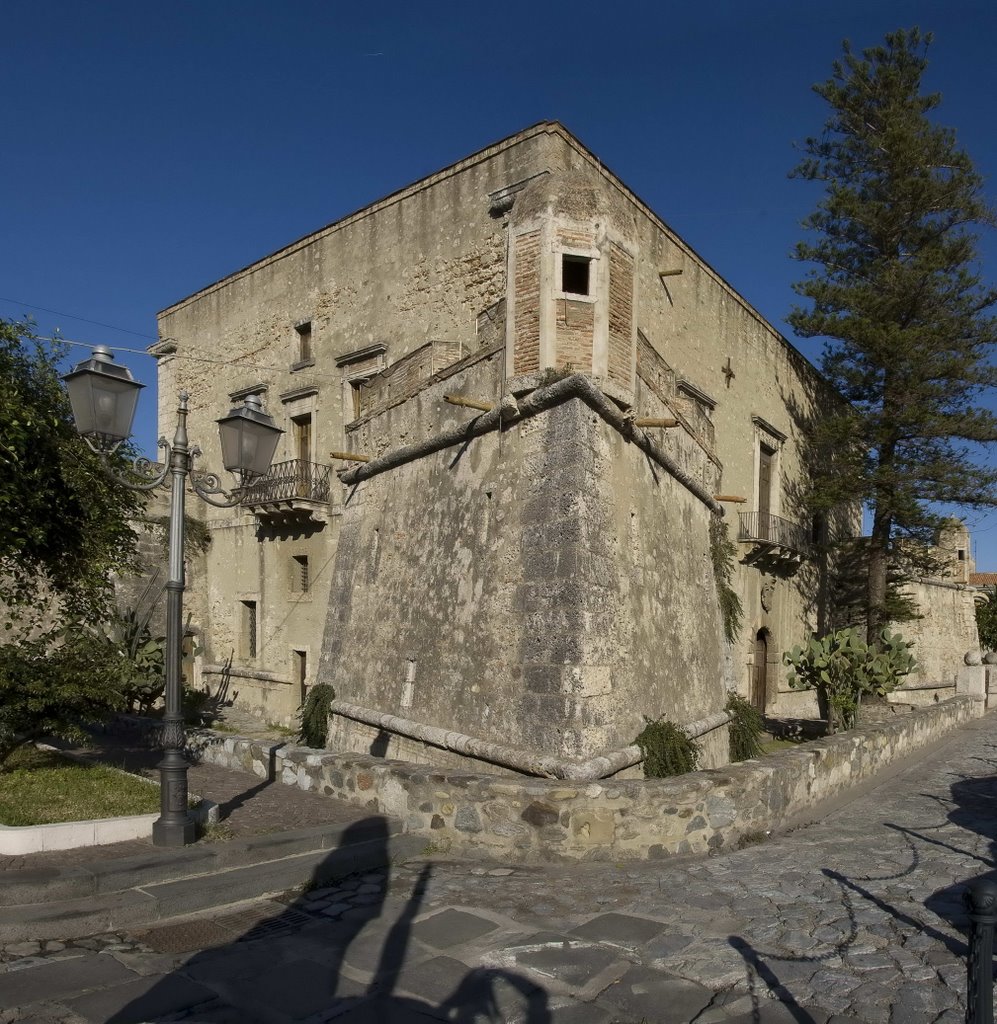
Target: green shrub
x: 723, y: 552
x: 58, y: 685
x: 145, y: 655
x: 843, y: 668
x: 745, y: 728
x: 314, y: 714
x: 667, y: 749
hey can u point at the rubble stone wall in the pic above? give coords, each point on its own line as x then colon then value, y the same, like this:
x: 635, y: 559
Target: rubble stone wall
x: 526, y: 820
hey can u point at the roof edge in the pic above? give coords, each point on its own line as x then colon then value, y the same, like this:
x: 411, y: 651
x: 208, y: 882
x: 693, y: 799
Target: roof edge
x: 392, y: 197
x: 553, y: 127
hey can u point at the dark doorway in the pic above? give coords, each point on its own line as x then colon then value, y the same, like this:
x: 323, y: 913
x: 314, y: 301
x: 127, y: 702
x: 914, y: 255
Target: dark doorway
x: 759, y: 669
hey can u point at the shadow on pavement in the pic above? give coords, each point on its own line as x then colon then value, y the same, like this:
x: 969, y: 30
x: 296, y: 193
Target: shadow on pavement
x: 973, y: 809
x: 760, y: 968
x: 290, y: 967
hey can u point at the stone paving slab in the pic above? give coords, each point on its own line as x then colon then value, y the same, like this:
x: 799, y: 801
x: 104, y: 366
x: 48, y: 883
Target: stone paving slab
x: 141, y: 999
x: 452, y: 928
x: 646, y: 993
x: 60, y: 978
x: 620, y: 930
x: 856, y: 917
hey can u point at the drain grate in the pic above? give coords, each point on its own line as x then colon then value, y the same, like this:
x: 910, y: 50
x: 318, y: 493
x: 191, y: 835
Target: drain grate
x: 186, y: 937
x: 287, y: 921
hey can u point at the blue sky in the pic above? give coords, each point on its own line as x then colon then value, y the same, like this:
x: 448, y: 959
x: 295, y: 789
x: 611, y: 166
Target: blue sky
x: 152, y: 148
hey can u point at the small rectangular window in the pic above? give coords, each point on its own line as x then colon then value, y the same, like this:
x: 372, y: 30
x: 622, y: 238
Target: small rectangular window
x: 248, y: 629
x: 304, y: 342
x: 575, y: 274
x: 300, y: 581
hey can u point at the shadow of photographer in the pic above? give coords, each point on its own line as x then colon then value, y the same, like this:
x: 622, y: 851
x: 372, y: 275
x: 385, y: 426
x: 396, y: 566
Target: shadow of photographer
x: 291, y: 967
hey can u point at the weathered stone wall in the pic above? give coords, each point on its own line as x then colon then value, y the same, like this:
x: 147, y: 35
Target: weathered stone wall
x: 699, y: 326
x: 144, y: 591
x: 539, y: 820
x: 945, y: 631
x: 544, y: 587
x: 426, y: 264
x: 439, y: 272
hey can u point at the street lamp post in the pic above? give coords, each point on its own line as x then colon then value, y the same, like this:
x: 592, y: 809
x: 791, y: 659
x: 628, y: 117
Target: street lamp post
x: 104, y: 397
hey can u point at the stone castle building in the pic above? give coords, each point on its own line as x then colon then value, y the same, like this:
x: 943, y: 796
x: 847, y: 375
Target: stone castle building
x: 543, y: 404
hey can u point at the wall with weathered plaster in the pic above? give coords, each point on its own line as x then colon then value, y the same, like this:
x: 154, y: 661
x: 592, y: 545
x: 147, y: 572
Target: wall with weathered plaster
x: 945, y: 629
x: 426, y: 265
x: 583, y: 565
x: 693, y: 322
x: 542, y: 586
x: 944, y: 632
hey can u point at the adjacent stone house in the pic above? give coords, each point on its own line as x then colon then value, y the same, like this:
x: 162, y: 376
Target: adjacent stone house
x: 560, y: 405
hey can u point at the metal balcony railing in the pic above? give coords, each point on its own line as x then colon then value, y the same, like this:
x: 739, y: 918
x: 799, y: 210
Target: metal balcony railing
x: 765, y: 528
x: 289, y: 480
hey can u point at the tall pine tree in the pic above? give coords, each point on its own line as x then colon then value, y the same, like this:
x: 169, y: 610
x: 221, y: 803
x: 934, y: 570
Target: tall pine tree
x: 897, y: 293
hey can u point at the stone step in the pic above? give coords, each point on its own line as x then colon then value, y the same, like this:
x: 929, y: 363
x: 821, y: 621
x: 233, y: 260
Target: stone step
x: 148, y: 889
x: 42, y: 885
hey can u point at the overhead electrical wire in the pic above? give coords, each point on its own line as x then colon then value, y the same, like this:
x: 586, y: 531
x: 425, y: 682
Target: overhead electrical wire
x: 82, y: 319
x: 181, y: 355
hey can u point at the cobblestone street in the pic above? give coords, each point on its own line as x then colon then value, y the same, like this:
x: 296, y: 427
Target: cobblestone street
x: 857, y: 916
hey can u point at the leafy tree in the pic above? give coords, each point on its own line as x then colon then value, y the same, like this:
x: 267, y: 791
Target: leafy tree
x: 65, y: 522
x: 64, y: 530
x: 897, y: 292
x: 986, y: 624
x: 58, y: 688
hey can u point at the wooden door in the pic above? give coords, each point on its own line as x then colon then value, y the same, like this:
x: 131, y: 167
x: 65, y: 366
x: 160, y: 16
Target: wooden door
x: 303, y: 438
x: 303, y: 453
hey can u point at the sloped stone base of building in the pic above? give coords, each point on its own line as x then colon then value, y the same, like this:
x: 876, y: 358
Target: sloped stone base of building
x: 524, y: 819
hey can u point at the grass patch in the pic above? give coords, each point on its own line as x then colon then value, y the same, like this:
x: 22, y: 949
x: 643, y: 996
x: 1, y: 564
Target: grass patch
x: 216, y: 832
x: 772, y: 745
x: 39, y: 787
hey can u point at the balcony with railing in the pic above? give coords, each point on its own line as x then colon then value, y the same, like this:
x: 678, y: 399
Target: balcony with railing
x: 772, y: 536
x: 295, y: 487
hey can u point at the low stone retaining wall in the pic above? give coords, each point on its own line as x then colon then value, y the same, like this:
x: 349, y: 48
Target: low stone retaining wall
x: 919, y: 695
x: 524, y: 819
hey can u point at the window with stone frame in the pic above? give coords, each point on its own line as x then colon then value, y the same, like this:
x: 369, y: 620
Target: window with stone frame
x: 304, y: 354
x: 300, y: 578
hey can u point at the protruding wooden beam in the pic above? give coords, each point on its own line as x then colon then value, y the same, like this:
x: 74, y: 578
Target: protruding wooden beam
x: 349, y: 457
x: 730, y: 497
x: 469, y: 403
x: 655, y: 421
x: 670, y: 273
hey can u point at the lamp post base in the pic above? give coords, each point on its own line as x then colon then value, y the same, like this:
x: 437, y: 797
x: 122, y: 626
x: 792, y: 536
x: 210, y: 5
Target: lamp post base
x: 173, y: 833
x: 174, y: 826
